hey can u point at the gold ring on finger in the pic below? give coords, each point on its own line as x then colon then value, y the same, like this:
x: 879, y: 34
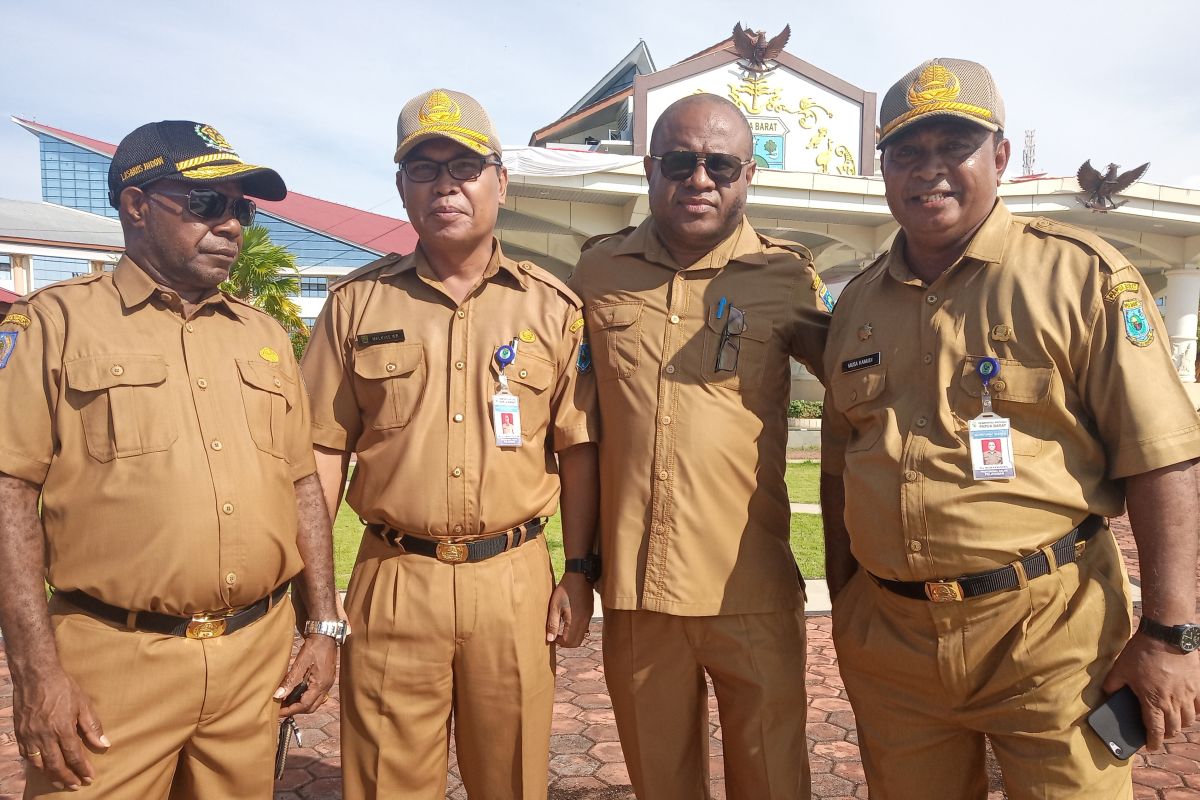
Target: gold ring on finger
x: 34, y: 754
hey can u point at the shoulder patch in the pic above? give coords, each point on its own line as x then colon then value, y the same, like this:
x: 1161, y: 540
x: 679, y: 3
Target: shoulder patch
x: 576, y: 325
x: 20, y: 320
x: 1121, y: 288
x: 1110, y: 256
x: 550, y: 279
x: 595, y: 240
x: 1137, y: 327
x: 366, y: 269
x: 8, y: 342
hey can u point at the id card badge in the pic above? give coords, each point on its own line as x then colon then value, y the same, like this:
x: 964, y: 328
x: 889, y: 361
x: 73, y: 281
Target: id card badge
x: 506, y: 419
x: 991, y: 448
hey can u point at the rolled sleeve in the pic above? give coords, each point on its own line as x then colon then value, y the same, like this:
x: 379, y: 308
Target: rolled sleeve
x: 336, y: 420
x: 574, y: 406
x: 29, y: 392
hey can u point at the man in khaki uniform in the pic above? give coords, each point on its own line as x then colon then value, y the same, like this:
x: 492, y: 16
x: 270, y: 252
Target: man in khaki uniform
x: 691, y: 318
x: 964, y: 604
x: 163, y: 426
x: 452, y: 373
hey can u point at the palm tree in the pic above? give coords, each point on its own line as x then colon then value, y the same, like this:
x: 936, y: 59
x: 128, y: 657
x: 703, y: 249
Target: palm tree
x: 266, y: 276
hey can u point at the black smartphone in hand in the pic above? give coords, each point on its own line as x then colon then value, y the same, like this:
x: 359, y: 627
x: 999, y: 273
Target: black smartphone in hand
x: 1118, y: 723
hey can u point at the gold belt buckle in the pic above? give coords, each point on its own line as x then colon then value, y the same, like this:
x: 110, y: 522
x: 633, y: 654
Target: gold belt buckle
x: 943, y: 591
x: 1079, y: 549
x: 207, y: 625
x: 451, y: 552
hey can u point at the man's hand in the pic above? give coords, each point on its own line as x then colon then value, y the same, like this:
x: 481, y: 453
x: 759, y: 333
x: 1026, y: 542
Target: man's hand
x: 53, y: 719
x: 316, y: 663
x: 1166, y: 681
x: 570, y: 611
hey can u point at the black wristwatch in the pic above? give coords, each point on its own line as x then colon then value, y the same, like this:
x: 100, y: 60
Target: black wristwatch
x: 1186, y: 637
x: 589, y: 565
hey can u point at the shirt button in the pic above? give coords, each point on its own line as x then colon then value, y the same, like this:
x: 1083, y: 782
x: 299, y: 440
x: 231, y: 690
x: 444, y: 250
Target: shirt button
x: 674, y: 319
x: 458, y: 529
x: 390, y: 367
x: 203, y: 384
x: 189, y: 328
x: 456, y: 472
x: 458, y: 417
x: 666, y: 420
x: 462, y: 314
x: 670, y: 369
x: 117, y: 369
x: 459, y: 365
x: 915, y: 546
x: 931, y: 299
x: 854, y: 395
x: 662, y: 476
x: 166, y: 298
x: 278, y: 383
x: 523, y: 373
x: 922, y: 422
x: 927, y: 358
x: 911, y: 475
x: 231, y: 578
x: 999, y: 385
x: 216, y: 444
x: 227, y: 508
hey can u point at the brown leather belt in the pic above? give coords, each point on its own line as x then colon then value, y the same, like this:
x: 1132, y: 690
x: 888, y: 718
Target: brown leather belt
x: 203, y: 625
x: 1066, y: 550
x: 449, y: 552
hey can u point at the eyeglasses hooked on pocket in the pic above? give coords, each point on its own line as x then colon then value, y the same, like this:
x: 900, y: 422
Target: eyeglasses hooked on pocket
x: 730, y: 344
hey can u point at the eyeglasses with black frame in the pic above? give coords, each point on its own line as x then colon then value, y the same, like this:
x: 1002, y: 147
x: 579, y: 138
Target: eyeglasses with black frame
x: 679, y: 165
x: 729, y: 346
x: 209, y: 204
x: 462, y: 168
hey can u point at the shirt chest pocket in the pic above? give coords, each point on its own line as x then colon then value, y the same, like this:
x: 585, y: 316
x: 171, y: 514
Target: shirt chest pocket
x: 390, y: 381
x: 267, y: 394
x: 124, y: 404
x: 615, y: 336
x: 530, y: 378
x: 1020, y: 392
x: 858, y: 396
x: 731, y: 359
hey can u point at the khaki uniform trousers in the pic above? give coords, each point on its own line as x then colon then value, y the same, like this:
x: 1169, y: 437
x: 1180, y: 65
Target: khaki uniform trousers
x: 928, y: 680
x: 654, y: 665
x: 187, y: 718
x: 431, y: 639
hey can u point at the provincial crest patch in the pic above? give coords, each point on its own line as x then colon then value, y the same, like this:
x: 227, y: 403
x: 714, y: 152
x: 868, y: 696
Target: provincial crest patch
x: 584, y: 362
x: 825, y: 294
x: 8, y: 342
x: 1137, y: 327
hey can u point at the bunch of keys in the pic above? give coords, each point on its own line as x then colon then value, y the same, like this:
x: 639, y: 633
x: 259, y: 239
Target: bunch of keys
x: 287, y: 729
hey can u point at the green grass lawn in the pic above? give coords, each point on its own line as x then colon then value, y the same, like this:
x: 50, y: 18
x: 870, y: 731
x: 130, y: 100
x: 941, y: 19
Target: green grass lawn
x: 807, y: 544
x: 804, y: 482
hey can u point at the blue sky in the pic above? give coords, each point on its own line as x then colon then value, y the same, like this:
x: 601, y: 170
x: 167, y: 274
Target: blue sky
x: 313, y: 89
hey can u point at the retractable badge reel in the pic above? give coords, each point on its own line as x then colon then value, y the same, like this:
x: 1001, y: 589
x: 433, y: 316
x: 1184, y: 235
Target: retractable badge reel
x: 990, y: 433
x: 506, y: 406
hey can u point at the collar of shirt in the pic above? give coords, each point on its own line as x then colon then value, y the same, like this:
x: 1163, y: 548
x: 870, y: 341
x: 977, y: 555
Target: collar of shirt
x: 418, y: 261
x: 135, y: 287
x: 742, y: 245
x: 986, y: 246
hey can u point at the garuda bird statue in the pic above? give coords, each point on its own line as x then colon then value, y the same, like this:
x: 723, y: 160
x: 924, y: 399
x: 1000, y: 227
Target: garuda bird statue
x: 756, y: 50
x: 1101, y: 188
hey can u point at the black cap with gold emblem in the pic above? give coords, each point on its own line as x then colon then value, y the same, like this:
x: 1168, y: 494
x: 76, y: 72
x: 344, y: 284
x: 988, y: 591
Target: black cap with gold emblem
x: 188, y: 151
x: 941, y: 87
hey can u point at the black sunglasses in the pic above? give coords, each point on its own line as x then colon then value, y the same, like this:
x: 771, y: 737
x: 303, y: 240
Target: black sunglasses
x: 729, y: 346
x: 679, y: 165
x: 209, y: 204
x: 463, y: 168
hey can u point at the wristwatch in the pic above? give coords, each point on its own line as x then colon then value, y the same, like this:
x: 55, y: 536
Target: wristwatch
x: 1186, y: 637
x: 589, y: 565
x: 336, y: 629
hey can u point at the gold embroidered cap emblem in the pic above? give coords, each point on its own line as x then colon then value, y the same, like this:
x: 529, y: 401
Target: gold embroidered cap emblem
x: 439, y: 109
x: 527, y: 336
x: 270, y: 355
x: 935, y: 84
x: 214, y: 139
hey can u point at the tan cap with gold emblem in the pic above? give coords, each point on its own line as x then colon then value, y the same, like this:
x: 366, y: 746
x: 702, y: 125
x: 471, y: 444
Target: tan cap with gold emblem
x: 949, y: 87
x: 452, y: 115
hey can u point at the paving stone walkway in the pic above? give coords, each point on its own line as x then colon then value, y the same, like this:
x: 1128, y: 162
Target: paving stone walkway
x: 586, y: 761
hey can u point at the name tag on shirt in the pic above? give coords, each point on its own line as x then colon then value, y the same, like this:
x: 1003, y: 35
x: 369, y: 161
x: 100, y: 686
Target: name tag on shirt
x: 506, y: 419
x: 991, y: 448
x: 862, y: 362
x: 382, y: 337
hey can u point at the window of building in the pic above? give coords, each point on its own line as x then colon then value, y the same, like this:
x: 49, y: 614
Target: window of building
x: 49, y: 269
x: 309, y: 322
x: 314, y: 286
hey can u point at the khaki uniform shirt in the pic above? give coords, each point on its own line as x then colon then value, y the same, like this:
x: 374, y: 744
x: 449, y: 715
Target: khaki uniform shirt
x: 694, y: 511
x: 403, y: 376
x: 166, y: 447
x: 1092, y: 397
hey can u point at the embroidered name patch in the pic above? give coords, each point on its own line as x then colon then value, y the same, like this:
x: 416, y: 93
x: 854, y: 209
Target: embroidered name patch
x: 1121, y: 288
x: 382, y: 337
x: 8, y: 342
x: 20, y: 320
x: 862, y: 362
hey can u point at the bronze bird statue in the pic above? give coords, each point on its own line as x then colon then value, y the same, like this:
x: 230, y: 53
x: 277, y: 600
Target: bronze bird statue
x: 755, y: 50
x: 1101, y: 188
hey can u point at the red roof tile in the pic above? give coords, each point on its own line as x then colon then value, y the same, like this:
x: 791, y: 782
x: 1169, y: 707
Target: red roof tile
x: 372, y: 231
x: 8, y: 297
